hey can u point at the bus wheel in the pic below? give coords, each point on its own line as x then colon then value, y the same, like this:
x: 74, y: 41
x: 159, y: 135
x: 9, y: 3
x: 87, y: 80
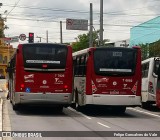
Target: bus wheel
x: 145, y: 105
x: 15, y: 107
x: 73, y: 105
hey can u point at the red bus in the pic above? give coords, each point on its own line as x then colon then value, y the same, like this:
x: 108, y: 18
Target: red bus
x: 41, y: 73
x: 109, y: 76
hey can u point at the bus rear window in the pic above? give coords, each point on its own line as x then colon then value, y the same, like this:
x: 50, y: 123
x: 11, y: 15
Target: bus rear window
x: 111, y: 61
x: 51, y: 56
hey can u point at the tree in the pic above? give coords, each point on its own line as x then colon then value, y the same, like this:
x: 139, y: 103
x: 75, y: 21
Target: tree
x: 1, y: 33
x: 1, y: 27
x: 83, y: 41
x: 150, y: 50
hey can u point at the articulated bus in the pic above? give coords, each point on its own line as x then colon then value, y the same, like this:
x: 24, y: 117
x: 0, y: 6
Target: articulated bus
x: 149, y: 81
x: 41, y: 73
x: 109, y: 76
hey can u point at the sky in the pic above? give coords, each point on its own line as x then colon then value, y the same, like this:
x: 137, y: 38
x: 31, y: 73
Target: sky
x: 42, y: 16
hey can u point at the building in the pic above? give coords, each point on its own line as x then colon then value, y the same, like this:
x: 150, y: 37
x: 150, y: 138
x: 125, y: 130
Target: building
x: 6, y: 51
x: 145, y: 33
x: 122, y: 43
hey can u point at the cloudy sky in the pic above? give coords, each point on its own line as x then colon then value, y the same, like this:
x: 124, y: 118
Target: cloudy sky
x: 40, y: 16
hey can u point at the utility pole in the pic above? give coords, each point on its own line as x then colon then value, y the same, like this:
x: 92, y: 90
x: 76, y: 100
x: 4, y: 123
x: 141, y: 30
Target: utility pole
x: 61, y: 40
x: 91, y: 26
x: 101, y: 22
x: 47, y: 36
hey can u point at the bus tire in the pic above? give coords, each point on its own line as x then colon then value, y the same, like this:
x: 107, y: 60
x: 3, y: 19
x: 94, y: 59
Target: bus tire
x: 15, y: 106
x: 145, y: 105
x: 73, y: 105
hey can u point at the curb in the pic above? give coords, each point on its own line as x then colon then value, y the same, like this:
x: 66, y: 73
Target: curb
x: 1, y: 120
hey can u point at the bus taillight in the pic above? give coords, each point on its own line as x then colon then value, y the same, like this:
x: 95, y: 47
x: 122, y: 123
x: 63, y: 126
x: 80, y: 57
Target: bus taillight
x: 150, y: 87
x: 66, y: 87
x: 134, y: 88
x: 22, y: 86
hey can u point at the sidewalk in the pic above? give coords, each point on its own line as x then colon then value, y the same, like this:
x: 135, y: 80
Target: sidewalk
x: 4, y: 116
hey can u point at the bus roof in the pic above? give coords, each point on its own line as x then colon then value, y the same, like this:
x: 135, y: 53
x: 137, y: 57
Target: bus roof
x: 149, y: 59
x: 82, y: 51
x: 91, y: 48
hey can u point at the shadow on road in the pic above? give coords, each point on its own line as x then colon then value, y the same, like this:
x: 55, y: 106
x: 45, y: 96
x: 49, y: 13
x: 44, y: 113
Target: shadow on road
x: 40, y: 111
x: 102, y: 111
x: 153, y: 108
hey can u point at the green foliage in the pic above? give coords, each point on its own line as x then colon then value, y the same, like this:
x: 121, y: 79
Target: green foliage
x: 1, y: 33
x: 150, y: 50
x: 83, y: 41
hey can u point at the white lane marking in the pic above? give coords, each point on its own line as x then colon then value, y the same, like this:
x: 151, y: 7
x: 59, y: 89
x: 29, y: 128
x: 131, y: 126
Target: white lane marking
x: 79, y: 113
x: 144, y: 112
x: 86, y: 116
x: 103, y: 124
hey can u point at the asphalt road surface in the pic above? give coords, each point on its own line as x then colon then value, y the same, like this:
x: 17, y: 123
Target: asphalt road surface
x: 94, y: 122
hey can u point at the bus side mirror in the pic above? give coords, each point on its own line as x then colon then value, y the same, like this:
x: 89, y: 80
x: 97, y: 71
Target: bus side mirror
x: 155, y: 75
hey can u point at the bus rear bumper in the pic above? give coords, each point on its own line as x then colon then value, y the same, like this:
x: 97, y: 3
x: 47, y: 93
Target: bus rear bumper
x: 40, y: 98
x: 113, y: 100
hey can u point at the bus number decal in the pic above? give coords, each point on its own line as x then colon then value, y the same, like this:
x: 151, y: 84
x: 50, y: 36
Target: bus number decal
x: 127, y: 80
x: 119, y: 54
x: 59, y: 75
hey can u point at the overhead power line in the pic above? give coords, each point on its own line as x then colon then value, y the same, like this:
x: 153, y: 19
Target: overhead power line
x: 12, y: 8
x: 79, y: 11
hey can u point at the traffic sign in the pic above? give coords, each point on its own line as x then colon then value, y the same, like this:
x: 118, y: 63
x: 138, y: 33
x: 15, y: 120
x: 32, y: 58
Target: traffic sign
x: 11, y: 39
x: 22, y: 37
x: 76, y: 24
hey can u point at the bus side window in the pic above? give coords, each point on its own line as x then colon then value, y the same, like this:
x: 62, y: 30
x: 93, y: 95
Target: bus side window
x: 85, y: 65
x: 156, y: 67
x: 158, y: 73
x: 80, y: 71
x: 145, y: 68
x: 75, y: 62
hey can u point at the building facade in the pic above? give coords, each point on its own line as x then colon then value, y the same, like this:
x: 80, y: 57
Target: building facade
x: 145, y: 33
x: 6, y: 51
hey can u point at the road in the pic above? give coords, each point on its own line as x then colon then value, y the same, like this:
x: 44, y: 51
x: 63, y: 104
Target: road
x: 93, y: 120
